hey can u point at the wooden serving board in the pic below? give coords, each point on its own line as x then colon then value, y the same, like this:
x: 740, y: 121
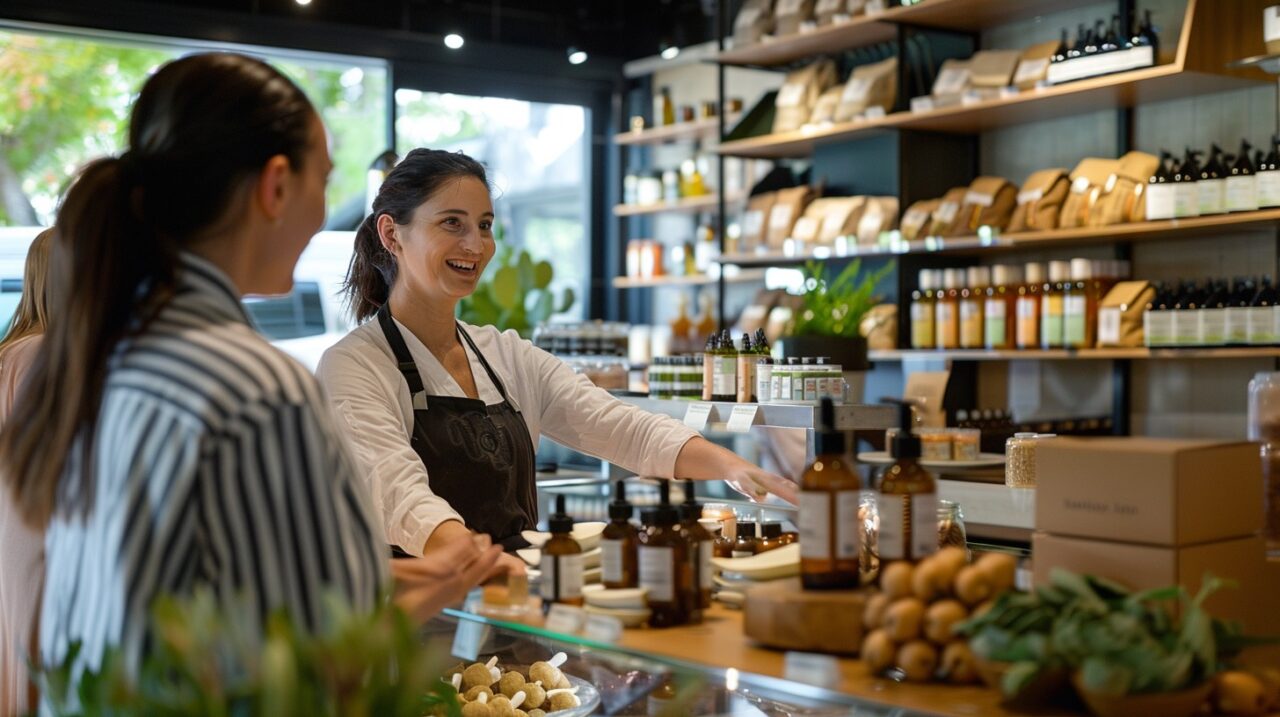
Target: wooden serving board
x: 782, y: 615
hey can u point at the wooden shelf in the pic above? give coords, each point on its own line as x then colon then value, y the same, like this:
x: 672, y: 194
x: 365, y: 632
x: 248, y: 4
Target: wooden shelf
x: 703, y: 129
x: 1210, y: 226
x: 863, y: 30
x: 689, y: 205
x: 741, y: 277
x: 1124, y: 89
x: 1239, y: 352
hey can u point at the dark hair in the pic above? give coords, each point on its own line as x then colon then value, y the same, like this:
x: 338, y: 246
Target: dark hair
x: 410, y: 183
x: 202, y: 126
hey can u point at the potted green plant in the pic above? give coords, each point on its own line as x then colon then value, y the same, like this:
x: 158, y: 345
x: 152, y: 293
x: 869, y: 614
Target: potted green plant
x: 516, y: 293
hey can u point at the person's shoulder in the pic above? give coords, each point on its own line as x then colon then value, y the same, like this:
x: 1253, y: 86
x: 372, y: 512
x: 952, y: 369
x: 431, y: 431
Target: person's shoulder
x: 363, y: 347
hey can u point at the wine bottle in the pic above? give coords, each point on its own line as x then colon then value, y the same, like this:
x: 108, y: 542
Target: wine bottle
x: 1242, y: 182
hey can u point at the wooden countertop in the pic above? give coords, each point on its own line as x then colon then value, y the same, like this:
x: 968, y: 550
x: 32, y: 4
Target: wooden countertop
x: 719, y: 642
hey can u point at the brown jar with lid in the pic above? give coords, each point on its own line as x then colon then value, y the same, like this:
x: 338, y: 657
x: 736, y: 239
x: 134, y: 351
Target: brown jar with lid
x: 663, y: 562
x: 745, y: 545
x: 770, y: 537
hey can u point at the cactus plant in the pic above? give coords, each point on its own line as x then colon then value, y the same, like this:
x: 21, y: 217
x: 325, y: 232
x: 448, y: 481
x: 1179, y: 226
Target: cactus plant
x: 516, y: 293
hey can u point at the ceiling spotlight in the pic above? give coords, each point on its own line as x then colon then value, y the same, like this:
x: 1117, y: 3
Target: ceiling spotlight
x: 576, y: 56
x: 670, y: 52
x: 303, y: 2
x: 453, y: 41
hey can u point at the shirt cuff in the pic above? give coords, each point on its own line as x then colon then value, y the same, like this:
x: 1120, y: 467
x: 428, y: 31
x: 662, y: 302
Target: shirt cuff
x: 417, y: 529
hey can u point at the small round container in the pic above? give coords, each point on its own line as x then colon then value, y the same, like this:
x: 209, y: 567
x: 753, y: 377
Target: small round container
x: 965, y: 443
x: 951, y: 530
x: 935, y: 444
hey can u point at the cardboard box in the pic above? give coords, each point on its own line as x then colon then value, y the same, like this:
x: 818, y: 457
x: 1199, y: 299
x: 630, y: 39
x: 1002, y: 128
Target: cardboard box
x: 1142, y: 567
x: 1148, y: 490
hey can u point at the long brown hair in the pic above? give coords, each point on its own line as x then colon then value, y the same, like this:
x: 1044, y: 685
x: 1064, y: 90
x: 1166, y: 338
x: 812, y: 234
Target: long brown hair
x: 419, y: 175
x: 33, y: 308
x: 201, y: 129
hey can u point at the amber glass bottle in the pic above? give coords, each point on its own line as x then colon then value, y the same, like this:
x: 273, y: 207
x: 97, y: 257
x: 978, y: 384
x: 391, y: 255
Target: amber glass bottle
x: 1027, y: 335
x: 618, y: 543
x: 907, y: 499
x: 698, y: 547
x: 663, y: 562
x: 829, y: 525
x: 972, y: 298
x: 947, y: 310
x: 744, y: 546
x: 561, y: 561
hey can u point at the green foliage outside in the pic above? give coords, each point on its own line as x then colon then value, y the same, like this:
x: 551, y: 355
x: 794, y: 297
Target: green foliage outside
x: 516, y: 292
x: 835, y: 307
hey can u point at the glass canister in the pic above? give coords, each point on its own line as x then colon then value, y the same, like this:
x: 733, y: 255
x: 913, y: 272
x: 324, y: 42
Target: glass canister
x: 1020, y: 461
x: 965, y: 443
x: 951, y: 532
x: 1264, y: 427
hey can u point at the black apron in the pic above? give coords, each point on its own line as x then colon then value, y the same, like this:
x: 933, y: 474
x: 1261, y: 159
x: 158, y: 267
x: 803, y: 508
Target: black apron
x: 479, y: 458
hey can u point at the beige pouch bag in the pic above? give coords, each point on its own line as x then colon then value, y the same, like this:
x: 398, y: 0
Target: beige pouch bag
x: 1120, y: 314
x: 799, y: 94
x: 879, y: 214
x: 789, y: 15
x: 1087, y: 180
x: 754, y: 21
x: 953, y: 79
x: 825, y: 110
x: 1033, y: 65
x: 947, y: 216
x: 826, y: 11
x: 807, y: 227
x: 873, y: 85
x: 989, y: 202
x: 788, y: 206
x: 915, y: 223
x: 755, y: 220
x: 1040, y: 201
x: 1121, y: 193
x: 841, y: 219
x: 993, y: 69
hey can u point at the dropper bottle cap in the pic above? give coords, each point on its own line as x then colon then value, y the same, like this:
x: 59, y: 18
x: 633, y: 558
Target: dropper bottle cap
x: 620, y: 509
x: 904, y: 443
x: 560, y: 522
x: 665, y: 514
x: 690, y: 509
x: 828, y: 441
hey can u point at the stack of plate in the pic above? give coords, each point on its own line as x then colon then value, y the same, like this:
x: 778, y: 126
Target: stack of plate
x: 737, y: 575
x: 588, y: 537
x: 626, y: 604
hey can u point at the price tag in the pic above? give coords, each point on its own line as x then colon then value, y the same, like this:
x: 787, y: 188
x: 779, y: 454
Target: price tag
x: 468, y: 638
x: 922, y: 104
x: 696, y: 416
x: 603, y: 628
x: 566, y: 619
x: 742, y: 417
x: 808, y: 668
x: 951, y: 81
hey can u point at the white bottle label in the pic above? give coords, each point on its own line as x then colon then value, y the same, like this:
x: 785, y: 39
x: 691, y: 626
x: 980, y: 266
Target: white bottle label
x: 815, y: 524
x: 848, y: 525
x: 1151, y: 335
x: 970, y: 310
x: 924, y: 525
x: 1261, y: 325
x: 1268, y: 188
x: 1242, y: 193
x: 996, y: 322
x: 1213, y: 196
x: 1238, y: 325
x: 764, y: 381
x: 1074, y: 321
x: 705, y: 581
x: 724, y: 382
x: 1160, y: 202
x: 1186, y: 328
x: 657, y: 573
x: 1213, y: 327
x: 1109, y: 325
x: 891, y: 540
x: 611, y: 561
x: 564, y: 571
x: 1186, y: 199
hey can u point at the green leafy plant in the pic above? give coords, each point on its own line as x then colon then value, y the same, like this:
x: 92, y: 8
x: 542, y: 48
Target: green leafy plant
x: 213, y: 660
x: 516, y: 294
x: 835, y: 308
x: 1121, y: 642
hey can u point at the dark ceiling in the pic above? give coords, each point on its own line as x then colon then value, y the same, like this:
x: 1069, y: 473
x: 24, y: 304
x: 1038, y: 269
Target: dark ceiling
x: 625, y: 29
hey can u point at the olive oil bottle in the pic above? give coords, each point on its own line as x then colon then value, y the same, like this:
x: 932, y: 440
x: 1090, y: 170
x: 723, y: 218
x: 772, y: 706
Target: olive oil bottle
x: 829, y: 527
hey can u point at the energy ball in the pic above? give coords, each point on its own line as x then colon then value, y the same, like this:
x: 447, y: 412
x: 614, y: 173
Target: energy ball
x: 537, y: 713
x: 534, y: 695
x: 511, y: 683
x: 474, y: 693
x: 500, y: 706
x: 563, y: 683
x: 545, y: 673
x: 563, y: 701
x: 476, y: 709
x: 476, y: 675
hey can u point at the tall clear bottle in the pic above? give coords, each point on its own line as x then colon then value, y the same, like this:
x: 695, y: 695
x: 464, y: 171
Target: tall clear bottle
x: 1052, y: 305
x: 907, y: 499
x: 972, y: 299
x: 1080, y: 307
x: 999, y: 312
x: 830, y: 530
x: 1027, y: 335
x: 923, y: 302
x: 948, y: 310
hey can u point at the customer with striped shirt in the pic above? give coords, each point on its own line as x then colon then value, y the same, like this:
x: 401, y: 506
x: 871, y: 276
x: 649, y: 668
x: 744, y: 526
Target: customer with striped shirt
x: 161, y: 440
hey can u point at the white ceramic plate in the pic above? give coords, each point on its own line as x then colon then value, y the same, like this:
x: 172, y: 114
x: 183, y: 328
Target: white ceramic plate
x: 619, y: 599
x: 782, y: 562
x: 985, y: 460
x: 593, y: 575
x: 732, y: 598
x: 733, y: 581
x: 587, y: 535
x: 628, y: 617
x: 533, y: 557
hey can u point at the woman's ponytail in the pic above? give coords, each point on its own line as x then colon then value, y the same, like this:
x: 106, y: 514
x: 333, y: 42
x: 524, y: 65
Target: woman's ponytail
x: 371, y: 273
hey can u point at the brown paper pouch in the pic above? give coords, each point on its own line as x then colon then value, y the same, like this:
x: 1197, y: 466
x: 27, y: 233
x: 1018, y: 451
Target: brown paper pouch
x: 825, y: 109
x: 918, y: 218
x: 1033, y: 66
x: 873, y: 85
x: 1120, y: 314
x: 947, y: 215
x: 755, y: 220
x: 1122, y: 192
x: 788, y: 15
x: 1087, y: 180
x: 789, y: 205
x: 800, y: 92
x: 993, y: 68
x: 954, y: 77
x: 842, y: 219
x: 878, y: 215
x: 807, y: 227
x: 1040, y: 200
x: 754, y: 21
x: 990, y: 202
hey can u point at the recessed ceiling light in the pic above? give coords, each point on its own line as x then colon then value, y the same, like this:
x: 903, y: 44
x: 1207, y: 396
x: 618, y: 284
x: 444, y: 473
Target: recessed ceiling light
x: 670, y: 52
x: 303, y: 2
x: 576, y: 56
x: 453, y: 41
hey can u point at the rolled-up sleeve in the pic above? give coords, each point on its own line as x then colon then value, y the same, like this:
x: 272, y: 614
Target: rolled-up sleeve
x: 367, y: 411
x: 578, y: 414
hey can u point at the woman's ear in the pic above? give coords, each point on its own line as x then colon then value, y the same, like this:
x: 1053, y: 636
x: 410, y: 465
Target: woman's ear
x: 386, y: 227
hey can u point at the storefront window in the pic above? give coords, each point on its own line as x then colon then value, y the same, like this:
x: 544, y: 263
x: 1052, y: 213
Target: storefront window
x: 537, y: 156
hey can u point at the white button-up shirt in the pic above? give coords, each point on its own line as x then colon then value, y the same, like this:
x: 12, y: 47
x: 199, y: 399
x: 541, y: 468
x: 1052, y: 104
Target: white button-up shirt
x: 371, y: 402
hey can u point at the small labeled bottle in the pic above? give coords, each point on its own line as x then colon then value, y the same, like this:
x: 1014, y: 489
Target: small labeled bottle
x: 999, y: 310
x: 907, y: 498
x: 561, y: 563
x: 1186, y: 187
x: 744, y: 545
x: 725, y: 380
x: 1268, y: 177
x: 1080, y: 307
x: 770, y: 537
x: 1262, y: 330
x: 663, y: 562
x: 1213, y: 315
x: 1027, y: 335
x: 947, y: 315
x: 1213, y: 184
x: 1160, y: 191
x: 618, y: 543
x: 972, y: 299
x: 664, y: 111
x: 922, y: 313
x: 1186, y: 316
x: 1157, y: 319
x: 1242, y: 182
x: 709, y: 367
x: 1052, y: 300
x: 1242, y: 293
x: 763, y: 369
x: 746, y: 371
x: 830, y: 531
x: 699, y: 547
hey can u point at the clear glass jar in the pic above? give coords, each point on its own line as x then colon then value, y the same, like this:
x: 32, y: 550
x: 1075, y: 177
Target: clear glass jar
x: 1264, y: 427
x: 951, y: 531
x: 1020, y: 461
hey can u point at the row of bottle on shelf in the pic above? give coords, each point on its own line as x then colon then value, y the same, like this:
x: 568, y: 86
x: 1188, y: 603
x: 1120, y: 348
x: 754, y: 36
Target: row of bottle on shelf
x: 1012, y: 307
x: 670, y: 185
x: 1246, y: 181
x: 650, y: 258
x: 1104, y: 49
x: 1215, y: 312
x: 666, y: 114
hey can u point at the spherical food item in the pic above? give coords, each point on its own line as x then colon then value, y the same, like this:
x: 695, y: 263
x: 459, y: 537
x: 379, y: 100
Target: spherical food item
x: 511, y: 683
x: 500, y: 706
x: 563, y: 683
x: 895, y: 579
x: 476, y: 709
x: 951, y: 559
x: 1239, y: 693
x: 545, y: 673
x: 940, y: 618
x: 878, y: 651
x: 474, y: 693
x: 873, y: 614
x: 959, y: 666
x: 1270, y: 678
x: 477, y: 674
x: 917, y: 660
x: 521, y: 713
x: 1001, y: 570
x: 537, y: 713
x: 903, y: 619
x: 534, y: 695
x: 929, y: 581
x: 983, y: 608
x: 563, y: 701
x: 972, y: 585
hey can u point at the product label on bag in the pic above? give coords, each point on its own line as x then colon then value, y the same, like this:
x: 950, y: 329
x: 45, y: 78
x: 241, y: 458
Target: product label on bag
x: 1160, y: 202
x: 1242, y: 194
x: 561, y: 577
x: 996, y: 323
x: 951, y: 81
x: 657, y: 573
x: 1031, y: 70
x: 790, y: 95
x: 611, y: 561
x: 856, y: 90
x: 1030, y: 195
x: 1108, y: 325
x: 979, y: 199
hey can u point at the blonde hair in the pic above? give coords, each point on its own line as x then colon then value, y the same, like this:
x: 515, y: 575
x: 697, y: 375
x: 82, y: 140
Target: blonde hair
x: 33, y: 308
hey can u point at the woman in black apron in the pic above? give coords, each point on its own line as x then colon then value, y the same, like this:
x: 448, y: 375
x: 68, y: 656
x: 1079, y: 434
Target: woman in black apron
x: 444, y: 415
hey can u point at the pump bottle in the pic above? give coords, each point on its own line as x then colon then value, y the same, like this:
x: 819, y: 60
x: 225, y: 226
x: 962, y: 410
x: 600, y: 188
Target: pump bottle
x: 829, y: 527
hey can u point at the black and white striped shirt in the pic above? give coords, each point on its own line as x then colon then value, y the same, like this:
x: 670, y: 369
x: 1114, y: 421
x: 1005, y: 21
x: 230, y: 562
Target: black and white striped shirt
x: 215, y: 463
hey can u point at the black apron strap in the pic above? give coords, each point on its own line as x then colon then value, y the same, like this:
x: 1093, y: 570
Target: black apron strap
x: 404, y: 360
x: 502, y: 390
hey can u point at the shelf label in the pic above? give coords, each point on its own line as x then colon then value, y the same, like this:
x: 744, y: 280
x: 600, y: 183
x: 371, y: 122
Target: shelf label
x: 603, y: 628
x: 742, y: 417
x: 873, y: 112
x: 811, y: 669
x: 565, y: 619
x: 697, y: 415
x: 921, y: 104
x: 468, y: 638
